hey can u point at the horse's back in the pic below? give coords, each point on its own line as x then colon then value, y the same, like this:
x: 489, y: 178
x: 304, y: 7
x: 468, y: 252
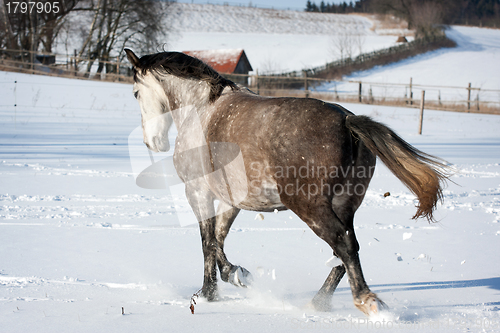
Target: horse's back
x: 246, y: 117
x: 285, y: 143
x: 287, y: 129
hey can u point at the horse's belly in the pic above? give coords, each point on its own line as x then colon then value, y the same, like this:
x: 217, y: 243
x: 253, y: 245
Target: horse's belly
x: 263, y: 198
x: 250, y: 196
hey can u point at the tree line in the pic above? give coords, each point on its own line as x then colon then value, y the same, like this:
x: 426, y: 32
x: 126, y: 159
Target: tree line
x: 359, y: 6
x: 468, y: 12
x: 97, y: 30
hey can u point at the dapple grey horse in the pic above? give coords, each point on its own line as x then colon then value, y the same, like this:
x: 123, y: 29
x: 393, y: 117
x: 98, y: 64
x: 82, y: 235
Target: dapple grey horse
x: 260, y: 153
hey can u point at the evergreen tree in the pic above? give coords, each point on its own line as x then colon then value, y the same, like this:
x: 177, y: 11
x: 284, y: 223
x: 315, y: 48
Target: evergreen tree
x: 322, y: 7
x: 309, y: 6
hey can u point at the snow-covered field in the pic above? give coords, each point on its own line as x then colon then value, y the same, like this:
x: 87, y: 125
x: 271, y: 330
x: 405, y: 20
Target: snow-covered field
x: 80, y: 242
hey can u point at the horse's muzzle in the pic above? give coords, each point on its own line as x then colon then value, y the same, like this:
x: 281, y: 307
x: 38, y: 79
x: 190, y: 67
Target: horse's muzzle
x: 158, y: 145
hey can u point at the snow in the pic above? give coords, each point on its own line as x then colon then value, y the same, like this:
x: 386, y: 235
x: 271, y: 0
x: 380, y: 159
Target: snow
x: 280, y: 41
x: 273, y: 53
x: 475, y: 60
x: 80, y: 242
x: 213, y: 18
x: 273, y: 40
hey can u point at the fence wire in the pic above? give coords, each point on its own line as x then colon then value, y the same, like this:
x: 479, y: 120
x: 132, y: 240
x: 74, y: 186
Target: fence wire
x: 454, y: 98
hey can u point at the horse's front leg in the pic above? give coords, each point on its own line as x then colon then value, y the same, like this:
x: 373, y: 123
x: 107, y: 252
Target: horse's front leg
x: 322, y: 300
x: 235, y: 275
x: 202, y: 203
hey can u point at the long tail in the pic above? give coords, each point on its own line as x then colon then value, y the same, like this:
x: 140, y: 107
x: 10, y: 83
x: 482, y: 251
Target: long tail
x: 423, y: 174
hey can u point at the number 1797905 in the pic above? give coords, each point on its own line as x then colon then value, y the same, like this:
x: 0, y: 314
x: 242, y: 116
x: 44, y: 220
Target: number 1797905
x: 39, y: 7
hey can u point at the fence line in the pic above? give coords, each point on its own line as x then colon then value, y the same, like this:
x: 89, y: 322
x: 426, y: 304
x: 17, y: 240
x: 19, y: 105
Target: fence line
x: 461, y: 98
x: 417, y: 85
x: 327, y: 70
x: 46, y: 64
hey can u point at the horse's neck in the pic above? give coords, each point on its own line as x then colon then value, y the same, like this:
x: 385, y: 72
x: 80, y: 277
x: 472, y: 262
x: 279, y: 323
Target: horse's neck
x: 181, y: 114
x: 185, y: 97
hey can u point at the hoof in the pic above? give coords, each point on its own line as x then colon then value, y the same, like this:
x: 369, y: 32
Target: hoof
x: 320, y: 304
x: 210, y: 293
x: 369, y: 304
x: 240, y: 277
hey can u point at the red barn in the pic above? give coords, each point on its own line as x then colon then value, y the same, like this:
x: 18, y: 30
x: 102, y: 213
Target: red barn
x: 225, y: 61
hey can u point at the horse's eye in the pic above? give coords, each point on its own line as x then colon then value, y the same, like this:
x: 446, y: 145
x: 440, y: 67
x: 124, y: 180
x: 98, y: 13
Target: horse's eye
x: 135, y: 94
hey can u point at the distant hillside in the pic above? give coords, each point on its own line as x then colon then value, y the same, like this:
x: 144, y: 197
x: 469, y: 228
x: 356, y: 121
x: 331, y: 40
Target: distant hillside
x: 277, y: 41
x: 215, y: 18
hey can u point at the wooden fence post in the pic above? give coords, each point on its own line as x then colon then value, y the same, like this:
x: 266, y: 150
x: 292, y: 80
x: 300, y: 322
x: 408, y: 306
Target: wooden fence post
x: 468, y: 97
x: 306, y: 86
x: 359, y: 92
x: 411, y: 91
x: 15, y: 104
x: 422, y: 101
x: 74, y: 61
x: 257, y: 81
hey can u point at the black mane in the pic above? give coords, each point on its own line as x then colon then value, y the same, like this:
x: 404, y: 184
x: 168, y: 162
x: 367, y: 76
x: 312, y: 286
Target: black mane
x: 184, y: 66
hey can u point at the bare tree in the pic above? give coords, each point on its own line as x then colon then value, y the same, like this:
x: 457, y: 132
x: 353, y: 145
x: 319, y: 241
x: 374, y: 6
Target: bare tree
x: 400, y: 8
x: 425, y: 16
x: 270, y: 65
x: 52, y: 24
x: 359, y: 41
x: 26, y: 26
x: 6, y: 35
x: 139, y: 24
x: 342, y: 45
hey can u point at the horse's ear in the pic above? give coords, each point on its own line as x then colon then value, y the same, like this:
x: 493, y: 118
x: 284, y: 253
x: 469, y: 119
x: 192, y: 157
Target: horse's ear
x: 134, y: 60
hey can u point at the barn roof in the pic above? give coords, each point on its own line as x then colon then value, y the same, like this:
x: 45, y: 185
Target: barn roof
x: 223, y: 61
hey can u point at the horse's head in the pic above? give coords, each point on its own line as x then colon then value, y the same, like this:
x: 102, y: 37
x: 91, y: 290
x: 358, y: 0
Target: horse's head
x: 169, y: 81
x: 154, y: 103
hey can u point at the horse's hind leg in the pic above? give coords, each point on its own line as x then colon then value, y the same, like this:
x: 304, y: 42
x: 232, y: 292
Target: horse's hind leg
x: 346, y: 248
x: 339, y: 234
x: 236, y: 275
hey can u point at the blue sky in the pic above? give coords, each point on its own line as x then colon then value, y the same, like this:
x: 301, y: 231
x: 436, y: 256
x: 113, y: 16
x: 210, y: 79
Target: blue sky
x: 278, y: 4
